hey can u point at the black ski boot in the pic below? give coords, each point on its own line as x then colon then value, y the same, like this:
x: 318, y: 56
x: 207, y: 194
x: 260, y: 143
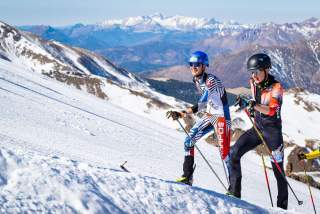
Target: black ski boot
x: 188, y: 169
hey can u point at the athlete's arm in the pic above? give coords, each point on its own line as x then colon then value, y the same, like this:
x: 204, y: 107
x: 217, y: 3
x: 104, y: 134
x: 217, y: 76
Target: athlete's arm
x: 262, y: 108
x: 275, y: 101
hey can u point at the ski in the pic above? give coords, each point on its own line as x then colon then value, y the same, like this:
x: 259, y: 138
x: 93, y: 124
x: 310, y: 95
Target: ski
x: 123, y: 167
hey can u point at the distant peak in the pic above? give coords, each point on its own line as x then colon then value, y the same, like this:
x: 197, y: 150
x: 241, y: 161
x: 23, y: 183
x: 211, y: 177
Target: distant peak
x: 157, y: 15
x: 158, y: 21
x: 3, y: 23
x: 78, y: 25
x: 312, y: 20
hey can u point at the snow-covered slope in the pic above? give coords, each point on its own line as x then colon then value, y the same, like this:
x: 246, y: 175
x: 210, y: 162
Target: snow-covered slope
x: 36, y: 183
x: 84, y: 70
x: 50, y: 57
x: 302, y: 113
x: 61, y: 150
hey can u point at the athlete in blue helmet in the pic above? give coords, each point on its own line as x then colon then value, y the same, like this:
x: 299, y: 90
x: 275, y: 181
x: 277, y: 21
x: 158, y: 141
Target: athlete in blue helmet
x: 213, y: 103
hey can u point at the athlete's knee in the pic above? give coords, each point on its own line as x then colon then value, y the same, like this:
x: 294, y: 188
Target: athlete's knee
x: 278, y: 154
x: 189, y: 151
x: 234, y: 155
x: 188, y: 143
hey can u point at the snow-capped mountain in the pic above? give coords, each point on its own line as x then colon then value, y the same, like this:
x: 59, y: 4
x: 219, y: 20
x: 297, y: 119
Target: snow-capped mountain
x: 51, y: 58
x: 307, y: 28
x: 295, y: 65
x: 158, y: 21
x: 154, y: 42
x: 80, y: 68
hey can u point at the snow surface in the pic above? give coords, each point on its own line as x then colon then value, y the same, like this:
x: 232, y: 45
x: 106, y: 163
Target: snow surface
x: 60, y: 150
x: 298, y: 125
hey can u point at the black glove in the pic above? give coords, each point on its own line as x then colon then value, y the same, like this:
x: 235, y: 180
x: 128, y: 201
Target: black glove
x: 302, y: 156
x: 174, y: 114
x: 242, y: 102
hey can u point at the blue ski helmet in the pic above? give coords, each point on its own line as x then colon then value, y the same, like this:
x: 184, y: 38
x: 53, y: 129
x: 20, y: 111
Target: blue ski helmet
x: 200, y: 57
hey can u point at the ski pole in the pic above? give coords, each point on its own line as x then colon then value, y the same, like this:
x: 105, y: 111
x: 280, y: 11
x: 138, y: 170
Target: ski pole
x: 308, y: 182
x: 274, y: 160
x: 204, y: 158
x: 223, y: 164
x: 267, y: 180
x: 224, y: 167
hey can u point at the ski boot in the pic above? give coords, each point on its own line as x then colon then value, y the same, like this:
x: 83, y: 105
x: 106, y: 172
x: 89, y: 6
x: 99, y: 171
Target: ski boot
x: 230, y: 194
x: 188, y: 169
x: 185, y: 180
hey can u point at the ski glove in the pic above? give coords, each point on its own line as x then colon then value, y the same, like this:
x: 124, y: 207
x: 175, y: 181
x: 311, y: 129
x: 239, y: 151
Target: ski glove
x: 175, y: 115
x: 242, y: 102
x: 251, y: 105
x: 302, y: 156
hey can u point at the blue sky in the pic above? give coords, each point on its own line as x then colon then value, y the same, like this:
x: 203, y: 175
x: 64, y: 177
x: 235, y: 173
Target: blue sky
x: 65, y: 12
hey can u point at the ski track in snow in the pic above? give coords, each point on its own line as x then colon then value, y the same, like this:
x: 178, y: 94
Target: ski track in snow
x: 62, y: 152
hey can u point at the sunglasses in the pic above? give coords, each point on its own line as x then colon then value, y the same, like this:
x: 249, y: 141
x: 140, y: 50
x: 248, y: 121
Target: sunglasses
x: 195, y: 64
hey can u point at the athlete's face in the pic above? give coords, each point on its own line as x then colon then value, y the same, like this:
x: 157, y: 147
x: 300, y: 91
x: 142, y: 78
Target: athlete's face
x: 259, y: 75
x: 197, y: 68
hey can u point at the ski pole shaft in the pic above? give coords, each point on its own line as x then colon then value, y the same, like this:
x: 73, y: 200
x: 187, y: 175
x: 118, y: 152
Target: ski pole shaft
x: 274, y: 160
x: 224, y: 168
x: 308, y: 182
x: 267, y: 180
x: 223, y: 164
x: 204, y: 158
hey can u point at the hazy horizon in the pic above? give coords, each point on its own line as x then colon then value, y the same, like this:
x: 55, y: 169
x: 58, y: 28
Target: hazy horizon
x: 62, y: 13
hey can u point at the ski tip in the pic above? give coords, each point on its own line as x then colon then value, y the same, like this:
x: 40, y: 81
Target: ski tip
x: 124, y: 168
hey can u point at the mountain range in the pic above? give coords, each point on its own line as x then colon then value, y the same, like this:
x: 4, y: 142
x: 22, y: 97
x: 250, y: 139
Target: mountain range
x: 159, y: 46
x: 79, y: 68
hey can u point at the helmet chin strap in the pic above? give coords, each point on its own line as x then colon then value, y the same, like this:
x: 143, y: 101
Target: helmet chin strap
x: 263, y: 84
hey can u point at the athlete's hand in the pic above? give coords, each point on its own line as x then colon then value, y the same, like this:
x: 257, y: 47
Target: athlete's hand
x: 251, y: 105
x: 175, y: 115
x: 302, y: 156
x: 241, y: 102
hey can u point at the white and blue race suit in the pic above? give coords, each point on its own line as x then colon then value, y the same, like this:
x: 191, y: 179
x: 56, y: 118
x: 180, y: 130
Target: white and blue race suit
x: 214, y: 104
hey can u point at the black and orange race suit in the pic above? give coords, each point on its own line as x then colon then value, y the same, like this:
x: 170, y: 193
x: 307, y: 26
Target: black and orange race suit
x: 269, y: 94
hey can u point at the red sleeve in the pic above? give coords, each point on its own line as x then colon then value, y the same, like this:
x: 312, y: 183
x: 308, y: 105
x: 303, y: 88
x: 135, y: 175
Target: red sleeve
x: 275, y: 99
